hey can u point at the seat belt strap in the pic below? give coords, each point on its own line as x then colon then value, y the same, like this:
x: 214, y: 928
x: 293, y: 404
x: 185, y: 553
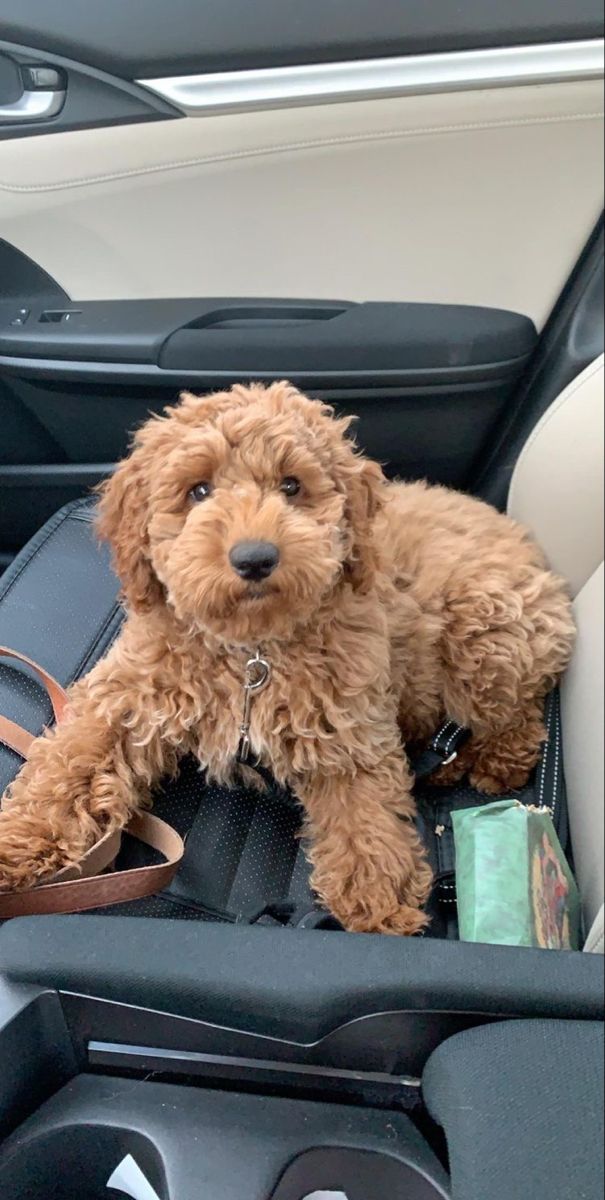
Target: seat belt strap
x: 442, y: 749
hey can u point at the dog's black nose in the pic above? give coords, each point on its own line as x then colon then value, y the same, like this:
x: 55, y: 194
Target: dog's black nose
x: 254, y: 560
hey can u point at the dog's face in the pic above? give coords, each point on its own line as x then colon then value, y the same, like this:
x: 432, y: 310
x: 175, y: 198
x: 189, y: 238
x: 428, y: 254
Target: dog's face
x: 241, y: 512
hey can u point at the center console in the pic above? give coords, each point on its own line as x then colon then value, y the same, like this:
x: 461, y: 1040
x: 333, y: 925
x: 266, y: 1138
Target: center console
x: 246, y: 1063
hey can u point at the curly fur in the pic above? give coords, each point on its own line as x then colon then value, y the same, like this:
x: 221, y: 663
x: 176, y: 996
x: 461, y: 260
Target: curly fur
x: 392, y: 605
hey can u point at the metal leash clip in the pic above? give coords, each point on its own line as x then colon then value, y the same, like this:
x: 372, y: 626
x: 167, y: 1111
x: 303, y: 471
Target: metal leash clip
x: 257, y: 676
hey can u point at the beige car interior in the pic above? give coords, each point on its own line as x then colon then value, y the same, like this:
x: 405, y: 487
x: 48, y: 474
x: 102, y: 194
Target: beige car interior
x: 480, y: 197
x: 557, y: 490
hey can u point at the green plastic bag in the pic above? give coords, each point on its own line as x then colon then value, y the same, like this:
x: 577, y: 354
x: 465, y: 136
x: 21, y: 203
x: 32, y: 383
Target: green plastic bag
x: 513, y: 882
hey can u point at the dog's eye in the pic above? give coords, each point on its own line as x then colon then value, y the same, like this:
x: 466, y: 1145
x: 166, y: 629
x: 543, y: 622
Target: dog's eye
x: 201, y: 491
x: 290, y: 486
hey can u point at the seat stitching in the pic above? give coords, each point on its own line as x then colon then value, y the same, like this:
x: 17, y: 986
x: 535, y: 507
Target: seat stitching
x: 545, y: 753
x: 557, y: 767
x: 309, y: 144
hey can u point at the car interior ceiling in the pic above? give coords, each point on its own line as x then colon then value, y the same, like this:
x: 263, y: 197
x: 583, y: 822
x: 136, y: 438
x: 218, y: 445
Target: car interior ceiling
x: 226, y: 1033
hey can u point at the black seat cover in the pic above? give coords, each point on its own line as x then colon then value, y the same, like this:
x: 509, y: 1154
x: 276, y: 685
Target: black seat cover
x: 59, y: 605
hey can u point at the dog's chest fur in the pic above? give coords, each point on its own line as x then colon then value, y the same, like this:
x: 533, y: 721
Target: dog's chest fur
x: 308, y: 716
x: 329, y: 701
x: 326, y: 691
x: 337, y: 696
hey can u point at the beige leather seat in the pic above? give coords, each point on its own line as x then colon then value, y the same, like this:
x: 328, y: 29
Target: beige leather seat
x: 557, y: 490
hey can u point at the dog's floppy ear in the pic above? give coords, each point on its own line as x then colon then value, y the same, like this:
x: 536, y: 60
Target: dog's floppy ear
x: 365, y: 485
x: 122, y: 521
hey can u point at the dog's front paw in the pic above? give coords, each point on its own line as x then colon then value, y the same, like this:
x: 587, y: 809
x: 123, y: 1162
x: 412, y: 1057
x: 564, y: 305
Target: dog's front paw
x: 402, y: 921
x: 28, y: 853
x: 26, y: 872
x: 361, y: 915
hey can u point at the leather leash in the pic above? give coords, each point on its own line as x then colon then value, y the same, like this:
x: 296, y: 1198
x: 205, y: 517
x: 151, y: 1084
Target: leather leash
x: 82, y: 886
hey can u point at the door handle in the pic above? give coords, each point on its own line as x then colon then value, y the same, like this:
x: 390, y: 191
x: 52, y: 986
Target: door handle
x: 43, y: 96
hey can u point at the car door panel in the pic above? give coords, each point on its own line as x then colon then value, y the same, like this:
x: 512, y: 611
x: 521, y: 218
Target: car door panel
x: 481, y: 197
x: 41, y: 93
x: 442, y: 373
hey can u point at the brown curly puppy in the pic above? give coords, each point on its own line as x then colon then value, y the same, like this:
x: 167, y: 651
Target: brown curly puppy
x: 247, y: 520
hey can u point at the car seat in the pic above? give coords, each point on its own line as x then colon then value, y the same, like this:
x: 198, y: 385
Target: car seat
x: 557, y: 490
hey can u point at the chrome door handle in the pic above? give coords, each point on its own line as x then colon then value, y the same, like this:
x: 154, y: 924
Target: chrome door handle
x: 43, y: 96
x: 33, y: 106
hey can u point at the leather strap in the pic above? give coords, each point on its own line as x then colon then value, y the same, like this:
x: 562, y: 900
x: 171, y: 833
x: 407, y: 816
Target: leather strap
x: 57, y: 694
x: 76, y: 895
x: 82, y: 886
x: 99, y: 858
x: 15, y: 737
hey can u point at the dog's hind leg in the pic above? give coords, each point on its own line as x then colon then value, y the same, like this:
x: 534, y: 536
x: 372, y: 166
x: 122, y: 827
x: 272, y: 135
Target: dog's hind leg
x: 503, y: 649
x: 503, y: 762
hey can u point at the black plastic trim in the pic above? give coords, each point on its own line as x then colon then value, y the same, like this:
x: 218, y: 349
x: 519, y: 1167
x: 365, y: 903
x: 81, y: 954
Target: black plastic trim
x: 443, y: 379
x: 288, y: 984
x: 21, y: 277
x: 314, y: 343
x: 10, y: 81
x: 220, y: 35
x: 54, y: 475
x: 377, y: 1089
x: 93, y: 97
x: 192, y: 1142
x: 285, y: 335
x: 378, y: 1042
x: 35, y: 1049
